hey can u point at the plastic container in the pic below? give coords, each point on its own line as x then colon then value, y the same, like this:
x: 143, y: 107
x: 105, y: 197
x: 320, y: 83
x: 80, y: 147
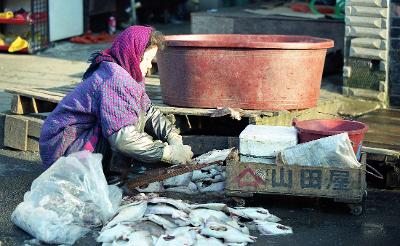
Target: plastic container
x: 266, y: 72
x: 261, y: 144
x: 309, y: 130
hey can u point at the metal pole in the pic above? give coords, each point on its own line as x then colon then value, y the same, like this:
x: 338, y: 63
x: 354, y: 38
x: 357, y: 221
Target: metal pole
x: 133, y: 17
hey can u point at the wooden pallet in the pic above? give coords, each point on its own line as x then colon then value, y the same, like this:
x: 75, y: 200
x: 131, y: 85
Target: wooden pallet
x: 35, y: 100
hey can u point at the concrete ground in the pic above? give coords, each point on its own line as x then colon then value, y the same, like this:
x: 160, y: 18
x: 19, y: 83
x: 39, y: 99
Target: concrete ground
x: 314, y: 222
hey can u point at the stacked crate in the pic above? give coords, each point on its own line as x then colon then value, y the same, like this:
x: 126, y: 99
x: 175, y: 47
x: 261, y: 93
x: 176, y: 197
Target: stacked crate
x: 367, y: 49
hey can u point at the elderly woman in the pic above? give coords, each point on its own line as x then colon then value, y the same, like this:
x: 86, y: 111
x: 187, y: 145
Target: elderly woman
x: 109, y: 112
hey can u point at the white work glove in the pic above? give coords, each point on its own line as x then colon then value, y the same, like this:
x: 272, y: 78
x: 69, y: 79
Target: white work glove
x: 174, y: 139
x: 177, y: 154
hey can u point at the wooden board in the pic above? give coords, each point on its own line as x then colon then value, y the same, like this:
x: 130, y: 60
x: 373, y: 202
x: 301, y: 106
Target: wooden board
x: 384, y: 129
x: 22, y: 132
x: 16, y: 133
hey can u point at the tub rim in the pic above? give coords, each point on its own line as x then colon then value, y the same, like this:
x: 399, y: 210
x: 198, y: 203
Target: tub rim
x: 244, y: 41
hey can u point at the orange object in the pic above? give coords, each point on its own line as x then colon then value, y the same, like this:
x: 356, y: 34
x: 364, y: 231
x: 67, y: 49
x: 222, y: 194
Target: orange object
x: 90, y: 38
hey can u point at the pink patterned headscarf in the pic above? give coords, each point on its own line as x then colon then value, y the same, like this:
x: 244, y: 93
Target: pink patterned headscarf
x: 127, y: 50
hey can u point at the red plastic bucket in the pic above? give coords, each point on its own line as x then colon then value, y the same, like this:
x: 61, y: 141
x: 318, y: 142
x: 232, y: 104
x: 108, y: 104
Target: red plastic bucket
x: 309, y: 130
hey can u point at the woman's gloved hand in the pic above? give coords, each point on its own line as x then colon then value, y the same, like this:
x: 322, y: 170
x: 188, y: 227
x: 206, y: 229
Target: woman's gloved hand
x: 177, y: 154
x: 174, y: 139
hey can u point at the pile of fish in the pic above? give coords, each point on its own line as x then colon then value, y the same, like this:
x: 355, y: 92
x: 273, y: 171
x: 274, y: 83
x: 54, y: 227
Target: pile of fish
x: 208, y: 179
x: 152, y: 220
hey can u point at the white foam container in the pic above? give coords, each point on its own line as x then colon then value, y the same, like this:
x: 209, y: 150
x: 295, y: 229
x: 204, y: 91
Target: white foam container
x: 258, y: 143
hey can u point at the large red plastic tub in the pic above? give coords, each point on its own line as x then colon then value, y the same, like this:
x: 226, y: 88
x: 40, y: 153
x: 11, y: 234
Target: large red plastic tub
x: 309, y: 130
x: 267, y: 72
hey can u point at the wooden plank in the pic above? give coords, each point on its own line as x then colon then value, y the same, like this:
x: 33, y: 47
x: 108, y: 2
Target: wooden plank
x: 16, y: 133
x: 390, y: 113
x: 378, y: 127
x: 23, y: 105
x: 380, y: 151
x: 381, y: 145
x: 33, y: 144
x: 48, y: 92
x: 16, y: 105
x: 380, y: 120
x: 33, y: 94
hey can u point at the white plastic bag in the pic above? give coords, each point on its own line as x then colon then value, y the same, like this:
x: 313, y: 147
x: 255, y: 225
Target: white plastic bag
x: 67, y: 200
x: 333, y: 151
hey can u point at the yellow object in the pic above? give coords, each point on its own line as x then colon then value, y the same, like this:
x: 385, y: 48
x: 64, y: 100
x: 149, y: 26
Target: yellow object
x: 18, y: 44
x: 2, y: 42
x: 7, y: 15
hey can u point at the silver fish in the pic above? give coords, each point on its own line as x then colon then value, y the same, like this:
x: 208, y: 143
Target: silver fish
x: 182, y: 230
x: 166, y: 224
x: 152, y: 187
x: 221, y: 230
x: 153, y: 228
x: 214, y: 187
x: 199, y: 216
x: 189, y: 189
x: 213, y: 206
x: 140, y: 238
x: 184, y: 239
x: 254, y: 214
x: 164, y: 209
x: 179, y: 204
x: 181, y: 180
x: 120, y: 243
x: 178, y: 222
x: 238, y: 226
x: 213, y: 156
x: 207, y: 241
x: 119, y: 231
x: 129, y: 212
x: 199, y: 175
x: 272, y: 228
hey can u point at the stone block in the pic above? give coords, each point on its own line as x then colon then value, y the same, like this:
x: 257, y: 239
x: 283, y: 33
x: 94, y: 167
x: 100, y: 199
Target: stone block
x: 367, y: 3
x: 366, y: 11
x: 366, y: 32
x: 371, y: 43
x: 373, y: 54
x: 366, y: 21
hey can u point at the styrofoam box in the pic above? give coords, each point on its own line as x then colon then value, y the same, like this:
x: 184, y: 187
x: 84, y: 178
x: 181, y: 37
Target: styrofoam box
x: 245, y: 158
x: 266, y: 141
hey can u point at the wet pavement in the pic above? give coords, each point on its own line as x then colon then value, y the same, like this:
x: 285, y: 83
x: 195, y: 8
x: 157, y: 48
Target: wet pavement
x: 314, y: 221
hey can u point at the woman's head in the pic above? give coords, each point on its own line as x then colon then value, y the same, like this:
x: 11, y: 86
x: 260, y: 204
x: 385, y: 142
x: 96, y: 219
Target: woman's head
x: 128, y: 51
x: 156, y: 41
x: 129, y: 47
